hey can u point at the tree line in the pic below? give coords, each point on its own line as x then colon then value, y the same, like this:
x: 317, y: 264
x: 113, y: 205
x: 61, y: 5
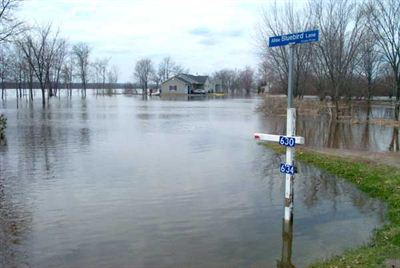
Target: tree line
x: 232, y: 81
x: 358, y: 54
x: 38, y: 57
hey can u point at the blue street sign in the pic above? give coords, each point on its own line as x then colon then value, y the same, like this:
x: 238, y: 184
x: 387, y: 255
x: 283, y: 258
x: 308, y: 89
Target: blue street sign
x: 294, y: 38
x: 287, y: 141
x: 287, y: 169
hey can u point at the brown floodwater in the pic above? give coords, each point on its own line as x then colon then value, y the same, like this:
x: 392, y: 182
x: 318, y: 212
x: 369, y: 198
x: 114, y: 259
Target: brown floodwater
x: 125, y: 182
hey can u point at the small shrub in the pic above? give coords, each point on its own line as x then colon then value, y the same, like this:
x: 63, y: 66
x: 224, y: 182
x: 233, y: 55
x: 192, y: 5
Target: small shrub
x: 3, y: 125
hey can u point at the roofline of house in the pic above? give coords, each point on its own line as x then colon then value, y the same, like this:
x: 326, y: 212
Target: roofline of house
x: 175, y: 76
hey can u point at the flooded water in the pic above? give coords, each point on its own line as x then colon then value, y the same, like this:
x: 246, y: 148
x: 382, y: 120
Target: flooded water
x: 126, y: 182
x: 321, y: 131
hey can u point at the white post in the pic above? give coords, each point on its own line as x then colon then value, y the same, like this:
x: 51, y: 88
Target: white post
x: 290, y: 132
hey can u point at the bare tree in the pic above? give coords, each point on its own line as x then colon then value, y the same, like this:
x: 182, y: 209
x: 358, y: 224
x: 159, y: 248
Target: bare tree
x: 168, y: 68
x: 39, y: 47
x: 143, y: 72
x: 112, y: 75
x: 224, y: 77
x: 60, y: 54
x: 67, y: 73
x: 100, y: 71
x: 246, y: 77
x: 81, y: 52
x: 4, y: 68
x: 10, y: 26
x: 341, y: 33
x: 276, y: 21
x: 385, y: 24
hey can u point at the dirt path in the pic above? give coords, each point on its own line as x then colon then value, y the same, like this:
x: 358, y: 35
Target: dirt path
x: 386, y: 158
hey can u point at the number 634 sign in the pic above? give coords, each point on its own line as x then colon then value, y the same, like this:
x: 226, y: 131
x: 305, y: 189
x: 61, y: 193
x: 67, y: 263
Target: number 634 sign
x: 287, y: 169
x: 287, y: 141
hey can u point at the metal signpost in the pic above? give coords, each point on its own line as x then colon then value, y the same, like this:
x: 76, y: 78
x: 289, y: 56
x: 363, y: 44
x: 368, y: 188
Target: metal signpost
x: 290, y: 140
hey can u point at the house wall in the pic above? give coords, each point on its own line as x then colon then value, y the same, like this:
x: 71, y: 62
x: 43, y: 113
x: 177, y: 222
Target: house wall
x: 181, y: 87
x: 209, y: 85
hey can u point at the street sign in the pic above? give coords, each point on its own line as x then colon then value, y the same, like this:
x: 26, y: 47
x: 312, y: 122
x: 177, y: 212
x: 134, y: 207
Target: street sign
x: 287, y: 141
x: 287, y: 169
x: 290, y: 140
x: 276, y: 138
x: 294, y: 38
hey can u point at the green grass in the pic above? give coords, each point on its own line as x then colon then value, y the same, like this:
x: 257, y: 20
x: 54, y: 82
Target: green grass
x: 377, y: 181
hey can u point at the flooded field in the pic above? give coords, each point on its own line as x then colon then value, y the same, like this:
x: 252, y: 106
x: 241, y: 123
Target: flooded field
x: 125, y: 182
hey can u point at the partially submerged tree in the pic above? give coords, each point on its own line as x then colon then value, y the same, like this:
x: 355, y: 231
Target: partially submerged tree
x: 341, y: 35
x: 39, y: 48
x: 143, y: 72
x: 246, y: 77
x: 81, y: 51
x: 385, y: 25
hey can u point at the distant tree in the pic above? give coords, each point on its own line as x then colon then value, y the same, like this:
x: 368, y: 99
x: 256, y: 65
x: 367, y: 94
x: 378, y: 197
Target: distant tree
x: 39, y: 47
x: 67, y: 73
x: 100, y: 67
x: 369, y: 63
x: 341, y: 31
x: 113, y: 74
x: 224, y: 77
x: 143, y: 72
x: 10, y: 26
x: 60, y: 54
x: 168, y: 68
x: 81, y: 51
x: 246, y: 78
x: 5, y: 63
x: 279, y: 21
x: 385, y: 25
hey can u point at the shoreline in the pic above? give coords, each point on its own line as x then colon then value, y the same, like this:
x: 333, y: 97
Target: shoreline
x: 377, y: 175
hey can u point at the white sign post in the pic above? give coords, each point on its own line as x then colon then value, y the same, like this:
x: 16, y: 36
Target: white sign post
x: 290, y: 140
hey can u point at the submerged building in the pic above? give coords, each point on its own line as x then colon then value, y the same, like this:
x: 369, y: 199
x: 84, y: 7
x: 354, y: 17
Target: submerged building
x: 188, y: 84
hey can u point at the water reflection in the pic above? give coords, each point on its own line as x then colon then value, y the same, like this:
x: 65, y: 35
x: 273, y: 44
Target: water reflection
x: 287, y: 244
x: 324, y: 132
x: 394, y: 142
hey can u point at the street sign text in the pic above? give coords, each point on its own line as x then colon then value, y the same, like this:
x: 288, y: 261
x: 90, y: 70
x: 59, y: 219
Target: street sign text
x: 294, y: 38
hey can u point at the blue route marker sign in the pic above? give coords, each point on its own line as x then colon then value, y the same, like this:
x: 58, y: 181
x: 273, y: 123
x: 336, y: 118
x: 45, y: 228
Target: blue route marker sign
x: 287, y: 169
x: 287, y: 141
x: 294, y: 38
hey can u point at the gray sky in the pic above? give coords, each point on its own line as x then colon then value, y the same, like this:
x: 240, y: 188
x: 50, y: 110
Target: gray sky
x: 202, y: 35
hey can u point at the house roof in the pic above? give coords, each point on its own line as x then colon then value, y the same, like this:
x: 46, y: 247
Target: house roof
x: 190, y: 79
x: 193, y: 79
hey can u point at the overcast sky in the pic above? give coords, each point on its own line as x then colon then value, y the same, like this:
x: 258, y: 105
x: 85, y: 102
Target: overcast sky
x: 202, y: 35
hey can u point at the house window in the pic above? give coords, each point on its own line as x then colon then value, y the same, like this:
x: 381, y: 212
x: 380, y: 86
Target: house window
x: 173, y: 88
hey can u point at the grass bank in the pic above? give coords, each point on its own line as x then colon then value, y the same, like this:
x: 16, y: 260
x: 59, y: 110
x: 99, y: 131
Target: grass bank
x: 378, y: 181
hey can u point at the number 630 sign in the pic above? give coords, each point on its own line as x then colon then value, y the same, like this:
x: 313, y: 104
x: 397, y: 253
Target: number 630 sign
x: 287, y: 141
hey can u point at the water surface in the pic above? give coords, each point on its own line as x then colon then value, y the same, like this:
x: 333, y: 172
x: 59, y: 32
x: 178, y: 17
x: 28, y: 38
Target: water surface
x: 126, y: 182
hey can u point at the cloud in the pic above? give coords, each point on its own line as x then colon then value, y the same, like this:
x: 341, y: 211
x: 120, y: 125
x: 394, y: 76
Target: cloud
x: 201, y: 31
x: 233, y: 33
x: 208, y: 41
x: 128, y: 30
x: 113, y: 51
